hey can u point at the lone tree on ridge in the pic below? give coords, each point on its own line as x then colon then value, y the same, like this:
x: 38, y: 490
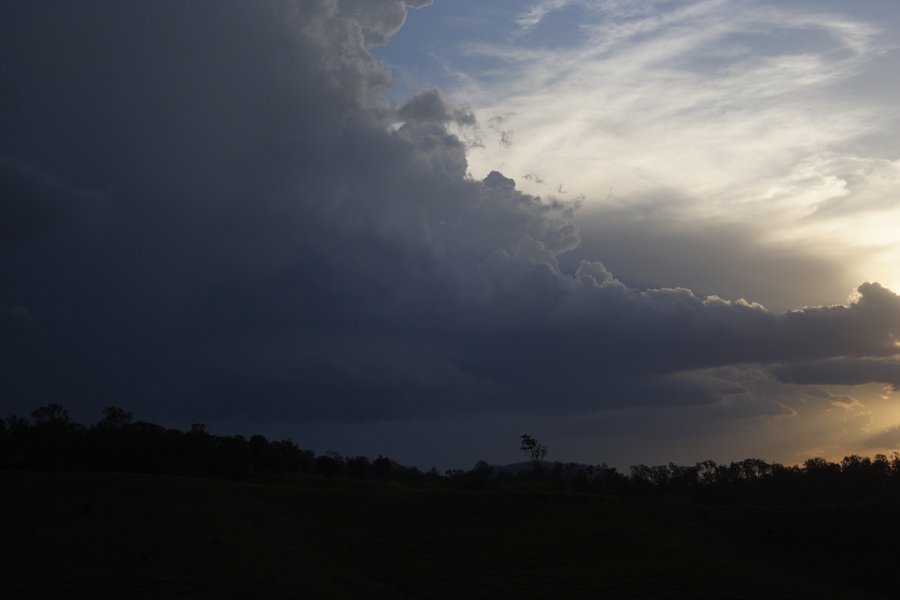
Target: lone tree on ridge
x: 535, y: 450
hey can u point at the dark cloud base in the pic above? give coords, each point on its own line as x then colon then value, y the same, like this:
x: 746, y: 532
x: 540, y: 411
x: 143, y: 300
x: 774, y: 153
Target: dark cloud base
x: 208, y: 211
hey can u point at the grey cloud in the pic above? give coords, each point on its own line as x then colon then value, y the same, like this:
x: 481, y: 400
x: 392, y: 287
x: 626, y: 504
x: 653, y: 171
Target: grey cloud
x: 377, y: 20
x: 36, y: 201
x: 647, y: 244
x: 14, y: 316
x: 272, y: 249
x: 842, y: 371
x: 430, y: 106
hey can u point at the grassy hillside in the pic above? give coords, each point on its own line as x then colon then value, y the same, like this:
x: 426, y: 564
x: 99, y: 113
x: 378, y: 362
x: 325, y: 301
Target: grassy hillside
x: 76, y: 535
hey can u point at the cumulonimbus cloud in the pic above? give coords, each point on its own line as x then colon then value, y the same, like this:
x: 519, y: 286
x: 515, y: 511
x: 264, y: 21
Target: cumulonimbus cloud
x: 266, y: 240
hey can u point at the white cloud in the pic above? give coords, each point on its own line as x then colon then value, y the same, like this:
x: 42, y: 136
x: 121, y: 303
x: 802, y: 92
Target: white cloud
x: 738, y: 108
x: 535, y: 13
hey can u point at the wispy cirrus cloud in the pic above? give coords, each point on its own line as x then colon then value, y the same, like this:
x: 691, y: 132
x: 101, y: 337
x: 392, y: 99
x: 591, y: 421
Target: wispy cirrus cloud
x: 743, y: 111
x: 535, y: 13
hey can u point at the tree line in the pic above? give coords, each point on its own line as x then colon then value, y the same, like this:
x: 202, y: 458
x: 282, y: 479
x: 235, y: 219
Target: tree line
x: 51, y: 440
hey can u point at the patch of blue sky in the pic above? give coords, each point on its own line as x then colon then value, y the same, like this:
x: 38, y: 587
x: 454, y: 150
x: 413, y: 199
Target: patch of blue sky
x: 430, y: 50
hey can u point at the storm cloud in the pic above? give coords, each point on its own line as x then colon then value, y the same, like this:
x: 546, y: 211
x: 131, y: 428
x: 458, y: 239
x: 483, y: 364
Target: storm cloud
x: 842, y: 371
x: 210, y: 211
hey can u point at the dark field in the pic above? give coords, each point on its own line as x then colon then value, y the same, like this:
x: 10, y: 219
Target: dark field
x: 77, y: 535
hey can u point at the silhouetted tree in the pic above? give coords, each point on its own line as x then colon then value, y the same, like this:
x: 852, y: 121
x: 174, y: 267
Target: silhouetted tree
x: 53, y: 442
x: 534, y: 450
x: 382, y: 467
x: 358, y: 467
x: 481, y: 477
x: 329, y: 465
x: 581, y: 483
x: 115, y: 418
x: 50, y: 413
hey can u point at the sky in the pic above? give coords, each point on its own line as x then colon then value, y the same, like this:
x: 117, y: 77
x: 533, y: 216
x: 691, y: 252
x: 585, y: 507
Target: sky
x: 639, y: 231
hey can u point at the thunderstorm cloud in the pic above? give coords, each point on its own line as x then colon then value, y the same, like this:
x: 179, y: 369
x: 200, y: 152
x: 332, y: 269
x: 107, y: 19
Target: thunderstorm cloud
x: 210, y: 210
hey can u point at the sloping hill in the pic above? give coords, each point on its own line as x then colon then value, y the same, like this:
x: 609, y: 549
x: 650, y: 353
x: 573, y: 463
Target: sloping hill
x: 84, y: 535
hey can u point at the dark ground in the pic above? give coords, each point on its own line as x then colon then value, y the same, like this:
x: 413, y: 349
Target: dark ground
x: 84, y: 535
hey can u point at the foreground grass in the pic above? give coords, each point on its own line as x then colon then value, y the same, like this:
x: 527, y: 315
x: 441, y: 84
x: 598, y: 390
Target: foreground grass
x: 77, y: 535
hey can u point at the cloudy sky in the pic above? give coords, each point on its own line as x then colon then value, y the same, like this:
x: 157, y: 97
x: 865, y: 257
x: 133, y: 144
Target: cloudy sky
x: 639, y: 230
